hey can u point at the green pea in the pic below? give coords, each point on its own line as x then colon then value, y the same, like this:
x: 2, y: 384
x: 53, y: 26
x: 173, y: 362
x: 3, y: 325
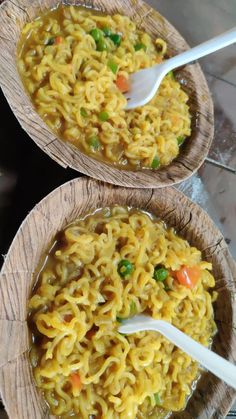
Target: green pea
x: 50, y: 41
x: 180, y: 140
x: 116, y: 38
x: 157, y: 398
x: 103, y: 116
x: 107, y: 31
x: 160, y: 273
x: 83, y: 112
x: 96, y: 34
x: 113, y: 66
x: 155, y: 163
x: 94, y: 142
x: 171, y: 74
x: 102, y: 45
x: 125, y: 268
x: 139, y: 46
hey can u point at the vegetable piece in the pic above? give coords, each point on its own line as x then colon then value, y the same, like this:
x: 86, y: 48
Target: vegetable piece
x: 96, y: 34
x: 94, y: 142
x: 133, y: 308
x: 180, y: 140
x: 83, y: 112
x: 103, y: 116
x: 139, y: 46
x: 155, y: 163
x: 76, y: 383
x: 116, y: 38
x: 171, y: 74
x: 122, y: 83
x: 188, y: 276
x: 102, y: 45
x: 50, y: 41
x: 107, y: 31
x: 58, y: 40
x: 160, y: 273
x: 157, y: 398
x: 125, y: 268
x: 113, y: 66
x: 119, y: 319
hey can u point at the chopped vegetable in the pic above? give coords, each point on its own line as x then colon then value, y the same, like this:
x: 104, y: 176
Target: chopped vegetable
x: 107, y: 31
x: 58, y: 40
x: 102, y: 45
x: 180, y: 140
x: 125, y: 268
x: 155, y: 163
x: 113, y: 66
x: 50, y: 41
x: 160, y: 273
x: 122, y: 83
x: 116, y: 38
x: 171, y: 74
x: 94, y: 142
x: 83, y: 112
x: 133, y: 308
x: 96, y: 34
x: 76, y: 383
x: 139, y: 46
x: 188, y: 276
x: 119, y: 319
x: 103, y: 116
x: 157, y: 398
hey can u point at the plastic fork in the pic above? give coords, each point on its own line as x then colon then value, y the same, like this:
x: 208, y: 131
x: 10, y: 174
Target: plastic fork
x: 210, y: 360
x: 145, y: 83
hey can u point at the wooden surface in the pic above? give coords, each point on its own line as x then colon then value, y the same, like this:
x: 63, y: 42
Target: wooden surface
x: 212, y: 398
x: 12, y: 17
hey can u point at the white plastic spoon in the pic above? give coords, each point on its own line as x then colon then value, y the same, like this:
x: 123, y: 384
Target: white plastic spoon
x: 144, y: 83
x: 210, y: 360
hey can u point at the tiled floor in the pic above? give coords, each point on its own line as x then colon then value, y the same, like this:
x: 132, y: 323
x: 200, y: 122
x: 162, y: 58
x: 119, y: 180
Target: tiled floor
x: 213, y: 188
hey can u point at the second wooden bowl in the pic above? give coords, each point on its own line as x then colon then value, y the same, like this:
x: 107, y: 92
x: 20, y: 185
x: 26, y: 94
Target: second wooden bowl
x: 13, y: 15
x: 212, y: 398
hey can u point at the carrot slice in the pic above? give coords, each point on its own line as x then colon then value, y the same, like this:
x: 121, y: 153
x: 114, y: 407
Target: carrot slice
x: 188, y: 276
x: 122, y: 83
x: 75, y: 382
x: 58, y: 40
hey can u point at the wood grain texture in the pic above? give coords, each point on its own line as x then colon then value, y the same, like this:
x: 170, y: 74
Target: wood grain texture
x: 13, y: 15
x: 212, y: 398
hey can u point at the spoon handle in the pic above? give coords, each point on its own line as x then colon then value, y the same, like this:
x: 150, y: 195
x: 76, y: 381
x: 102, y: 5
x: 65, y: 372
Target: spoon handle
x: 214, y: 44
x: 208, y: 359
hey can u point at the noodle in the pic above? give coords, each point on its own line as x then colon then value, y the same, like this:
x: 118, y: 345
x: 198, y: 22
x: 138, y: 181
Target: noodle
x: 101, y: 270
x: 74, y: 87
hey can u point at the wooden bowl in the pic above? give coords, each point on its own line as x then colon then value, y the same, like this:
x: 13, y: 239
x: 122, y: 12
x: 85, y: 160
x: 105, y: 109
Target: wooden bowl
x: 212, y: 397
x: 14, y: 14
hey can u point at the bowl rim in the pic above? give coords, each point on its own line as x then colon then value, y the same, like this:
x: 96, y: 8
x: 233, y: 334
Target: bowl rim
x: 49, y: 216
x: 191, y: 156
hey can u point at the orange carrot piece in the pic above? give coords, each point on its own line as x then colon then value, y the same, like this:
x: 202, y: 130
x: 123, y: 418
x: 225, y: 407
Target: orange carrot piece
x: 76, y: 381
x: 123, y: 83
x: 58, y: 40
x: 188, y: 276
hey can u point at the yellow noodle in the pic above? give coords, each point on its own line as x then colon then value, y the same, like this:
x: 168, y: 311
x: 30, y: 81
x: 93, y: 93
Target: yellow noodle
x: 76, y: 304
x: 72, y: 75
